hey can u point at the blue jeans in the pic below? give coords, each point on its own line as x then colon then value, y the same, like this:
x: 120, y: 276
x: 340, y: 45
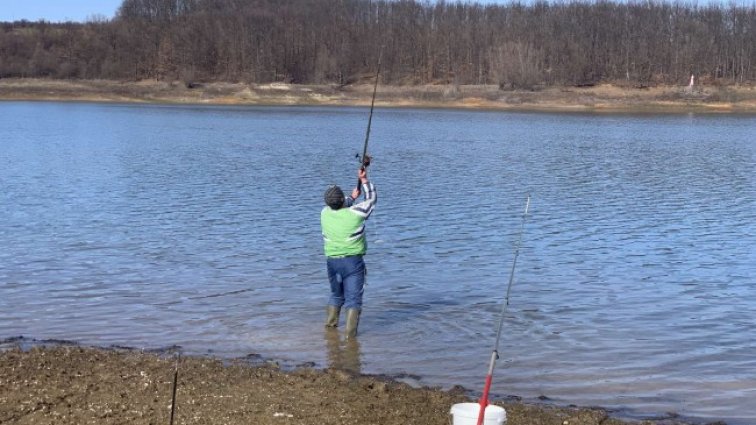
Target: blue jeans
x: 347, y: 277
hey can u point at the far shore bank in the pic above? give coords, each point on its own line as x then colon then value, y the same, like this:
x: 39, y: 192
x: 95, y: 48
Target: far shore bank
x: 598, y: 98
x: 69, y: 384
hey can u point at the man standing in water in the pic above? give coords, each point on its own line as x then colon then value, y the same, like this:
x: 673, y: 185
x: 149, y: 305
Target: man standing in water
x: 343, y: 226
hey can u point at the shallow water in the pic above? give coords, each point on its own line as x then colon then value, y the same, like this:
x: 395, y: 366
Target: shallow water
x: 149, y: 226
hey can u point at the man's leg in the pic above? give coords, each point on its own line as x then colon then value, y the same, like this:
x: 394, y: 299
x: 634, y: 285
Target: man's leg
x: 354, y: 287
x: 335, y: 277
x: 337, y: 294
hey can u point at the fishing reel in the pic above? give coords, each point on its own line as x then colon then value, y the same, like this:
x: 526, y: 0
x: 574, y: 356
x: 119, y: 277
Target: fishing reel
x: 364, y: 161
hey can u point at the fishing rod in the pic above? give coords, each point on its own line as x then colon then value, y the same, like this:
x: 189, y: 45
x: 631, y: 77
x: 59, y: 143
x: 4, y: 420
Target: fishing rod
x: 365, y: 158
x: 495, y: 354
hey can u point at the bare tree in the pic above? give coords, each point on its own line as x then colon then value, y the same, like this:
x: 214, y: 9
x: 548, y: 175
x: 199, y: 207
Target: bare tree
x: 515, y: 45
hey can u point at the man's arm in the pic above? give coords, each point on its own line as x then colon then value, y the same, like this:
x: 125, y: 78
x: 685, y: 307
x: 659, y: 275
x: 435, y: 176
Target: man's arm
x: 365, y: 208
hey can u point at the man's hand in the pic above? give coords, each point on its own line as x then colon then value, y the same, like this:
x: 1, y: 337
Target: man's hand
x: 356, y: 193
x: 362, y: 174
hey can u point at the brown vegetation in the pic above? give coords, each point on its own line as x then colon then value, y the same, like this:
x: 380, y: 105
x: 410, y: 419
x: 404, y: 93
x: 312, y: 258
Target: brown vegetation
x: 607, y: 98
x: 512, y: 46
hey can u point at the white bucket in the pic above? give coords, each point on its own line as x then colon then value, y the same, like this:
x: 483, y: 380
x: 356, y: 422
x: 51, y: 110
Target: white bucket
x: 467, y: 414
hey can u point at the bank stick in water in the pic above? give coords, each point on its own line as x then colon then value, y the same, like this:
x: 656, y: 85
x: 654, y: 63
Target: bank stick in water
x: 495, y: 354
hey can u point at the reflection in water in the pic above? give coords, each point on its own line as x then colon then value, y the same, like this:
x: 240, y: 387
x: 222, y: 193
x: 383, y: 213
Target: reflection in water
x: 343, y: 354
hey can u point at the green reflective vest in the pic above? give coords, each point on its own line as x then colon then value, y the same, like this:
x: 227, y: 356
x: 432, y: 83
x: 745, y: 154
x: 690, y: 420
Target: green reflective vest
x: 343, y: 232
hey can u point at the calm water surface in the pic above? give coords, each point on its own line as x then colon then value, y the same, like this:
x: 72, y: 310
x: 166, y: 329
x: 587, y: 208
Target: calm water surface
x: 635, y: 288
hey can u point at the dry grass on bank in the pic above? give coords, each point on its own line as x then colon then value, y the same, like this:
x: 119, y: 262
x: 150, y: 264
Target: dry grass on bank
x: 611, y: 98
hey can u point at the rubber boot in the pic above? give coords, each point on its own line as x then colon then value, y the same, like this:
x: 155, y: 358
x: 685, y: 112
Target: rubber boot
x: 352, y: 320
x: 332, y: 320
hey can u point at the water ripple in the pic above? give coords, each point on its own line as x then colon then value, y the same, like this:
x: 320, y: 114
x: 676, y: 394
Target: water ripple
x: 153, y: 226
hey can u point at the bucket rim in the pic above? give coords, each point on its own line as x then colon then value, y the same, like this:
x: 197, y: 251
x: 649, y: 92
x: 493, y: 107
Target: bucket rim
x: 494, y: 409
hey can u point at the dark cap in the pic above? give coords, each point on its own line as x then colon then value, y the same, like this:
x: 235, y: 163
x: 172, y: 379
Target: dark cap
x: 334, y: 197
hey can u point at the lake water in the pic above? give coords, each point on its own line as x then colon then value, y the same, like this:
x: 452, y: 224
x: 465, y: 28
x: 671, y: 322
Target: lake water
x: 635, y: 286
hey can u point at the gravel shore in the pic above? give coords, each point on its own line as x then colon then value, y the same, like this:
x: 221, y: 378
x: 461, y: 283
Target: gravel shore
x: 70, y: 384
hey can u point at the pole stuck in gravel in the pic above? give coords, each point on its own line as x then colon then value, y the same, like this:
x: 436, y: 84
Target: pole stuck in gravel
x: 495, y: 354
x: 175, y: 382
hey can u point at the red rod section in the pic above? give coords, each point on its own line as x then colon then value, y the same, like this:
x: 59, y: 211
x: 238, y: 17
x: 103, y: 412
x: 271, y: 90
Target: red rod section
x: 484, y: 399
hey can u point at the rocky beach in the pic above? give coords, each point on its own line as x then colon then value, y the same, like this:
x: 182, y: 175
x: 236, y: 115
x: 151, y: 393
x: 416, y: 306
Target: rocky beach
x: 70, y: 384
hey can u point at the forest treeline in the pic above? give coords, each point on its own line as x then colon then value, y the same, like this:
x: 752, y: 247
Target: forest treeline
x: 515, y: 45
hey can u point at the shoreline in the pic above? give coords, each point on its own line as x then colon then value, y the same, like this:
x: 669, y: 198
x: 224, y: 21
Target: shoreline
x: 67, y: 383
x: 603, y: 98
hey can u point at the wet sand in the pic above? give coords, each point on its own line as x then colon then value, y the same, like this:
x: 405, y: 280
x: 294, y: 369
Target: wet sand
x: 599, y: 98
x: 70, y: 384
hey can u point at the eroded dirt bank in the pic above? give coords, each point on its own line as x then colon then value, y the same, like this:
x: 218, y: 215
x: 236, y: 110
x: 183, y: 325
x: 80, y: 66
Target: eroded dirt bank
x: 600, y: 98
x: 77, y: 385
